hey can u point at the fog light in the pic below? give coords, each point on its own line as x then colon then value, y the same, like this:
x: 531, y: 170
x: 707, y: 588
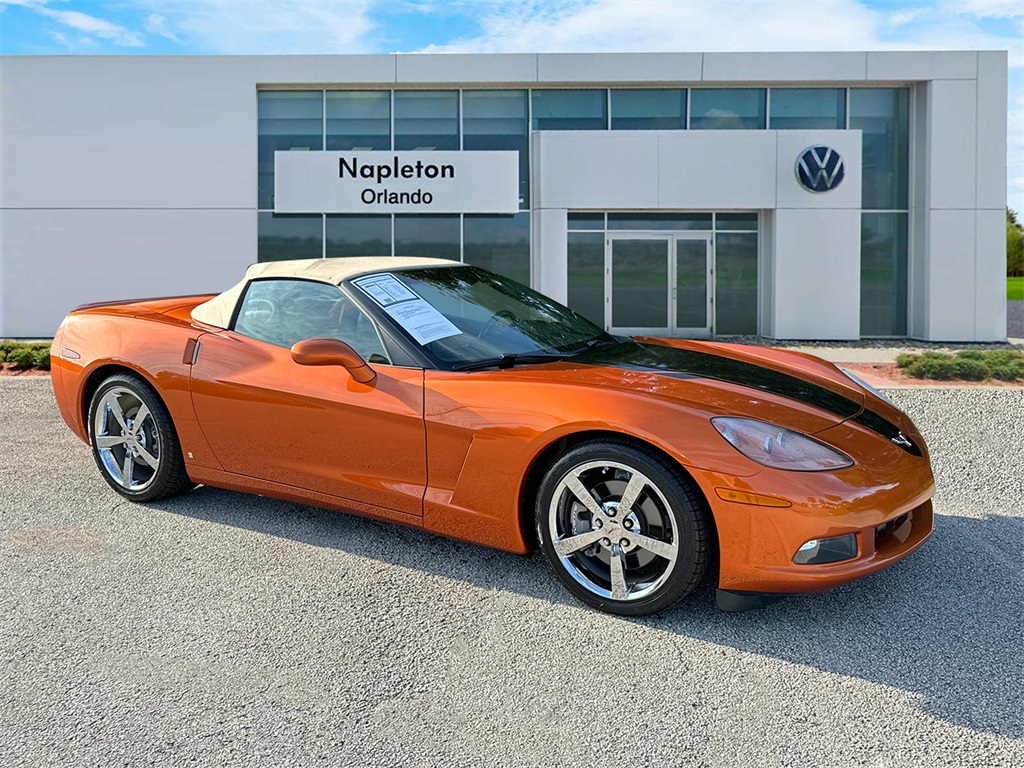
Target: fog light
x: 831, y: 550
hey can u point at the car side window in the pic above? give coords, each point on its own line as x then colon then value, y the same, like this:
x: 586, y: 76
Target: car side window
x: 282, y: 312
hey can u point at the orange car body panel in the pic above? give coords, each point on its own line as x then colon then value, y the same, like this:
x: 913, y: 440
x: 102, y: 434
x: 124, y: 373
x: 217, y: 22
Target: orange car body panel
x: 451, y: 452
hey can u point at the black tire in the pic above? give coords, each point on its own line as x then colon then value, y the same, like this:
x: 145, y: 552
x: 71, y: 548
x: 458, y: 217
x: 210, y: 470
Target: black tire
x: 153, y: 438
x: 668, y: 513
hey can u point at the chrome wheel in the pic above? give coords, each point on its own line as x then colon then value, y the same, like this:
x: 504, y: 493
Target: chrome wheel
x: 127, y: 439
x: 611, y: 528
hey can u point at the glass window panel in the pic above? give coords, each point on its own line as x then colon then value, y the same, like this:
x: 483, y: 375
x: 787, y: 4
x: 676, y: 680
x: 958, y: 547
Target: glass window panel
x: 586, y: 221
x: 808, y: 108
x: 570, y: 110
x: 282, y: 237
x: 691, y: 284
x: 436, y: 237
x: 427, y: 120
x: 640, y: 283
x: 358, y: 236
x: 648, y: 109
x: 284, y: 312
x: 586, y: 275
x: 358, y: 120
x: 883, y: 274
x: 499, y: 120
x: 727, y: 108
x: 701, y: 221
x: 500, y: 244
x: 883, y: 114
x: 286, y: 120
x: 736, y: 283
x: 736, y: 222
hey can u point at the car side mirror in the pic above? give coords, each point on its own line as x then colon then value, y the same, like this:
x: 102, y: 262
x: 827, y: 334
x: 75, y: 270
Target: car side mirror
x: 333, y: 352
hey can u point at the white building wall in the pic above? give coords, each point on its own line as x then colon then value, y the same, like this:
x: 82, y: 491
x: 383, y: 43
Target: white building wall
x: 815, y: 238
x: 105, y: 161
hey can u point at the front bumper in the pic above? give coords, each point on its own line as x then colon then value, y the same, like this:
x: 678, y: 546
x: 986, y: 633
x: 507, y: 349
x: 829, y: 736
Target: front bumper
x: 884, y: 500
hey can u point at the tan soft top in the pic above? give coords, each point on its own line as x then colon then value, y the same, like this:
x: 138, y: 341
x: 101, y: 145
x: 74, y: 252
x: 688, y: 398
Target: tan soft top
x: 218, y: 310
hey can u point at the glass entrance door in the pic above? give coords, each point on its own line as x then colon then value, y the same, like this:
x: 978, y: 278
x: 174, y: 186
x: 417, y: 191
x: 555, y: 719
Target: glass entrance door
x: 658, y: 285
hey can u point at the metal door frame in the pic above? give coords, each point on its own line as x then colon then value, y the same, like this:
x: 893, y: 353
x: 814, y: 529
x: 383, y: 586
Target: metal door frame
x: 671, y: 238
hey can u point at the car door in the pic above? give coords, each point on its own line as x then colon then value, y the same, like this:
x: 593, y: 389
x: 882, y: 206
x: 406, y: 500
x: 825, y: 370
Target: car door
x: 267, y: 417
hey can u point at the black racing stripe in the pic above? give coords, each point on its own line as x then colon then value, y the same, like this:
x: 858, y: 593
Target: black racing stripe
x: 687, y: 363
x: 661, y: 359
x: 888, y: 430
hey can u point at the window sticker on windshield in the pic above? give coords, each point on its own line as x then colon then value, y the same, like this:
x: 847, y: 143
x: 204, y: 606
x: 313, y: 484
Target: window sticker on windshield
x: 424, y: 322
x: 385, y: 289
x: 421, y: 320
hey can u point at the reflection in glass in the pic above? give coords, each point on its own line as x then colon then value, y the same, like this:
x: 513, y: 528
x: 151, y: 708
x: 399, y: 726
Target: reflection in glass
x: 570, y: 110
x: 282, y: 237
x: 736, y: 222
x: 498, y: 120
x: 883, y: 114
x: 286, y: 120
x: 736, y: 283
x: 427, y: 120
x: 500, y: 244
x: 436, y: 237
x: 586, y: 275
x: 358, y: 120
x: 699, y: 221
x: 691, y: 284
x: 640, y: 283
x: 794, y: 108
x: 883, y: 274
x: 727, y: 108
x: 591, y: 221
x: 358, y: 236
x: 648, y: 109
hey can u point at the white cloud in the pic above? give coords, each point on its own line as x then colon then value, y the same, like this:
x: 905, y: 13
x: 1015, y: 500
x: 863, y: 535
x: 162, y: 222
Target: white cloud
x: 660, y: 25
x: 991, y: 9
x: 265, y: 26
x: 726, y: 25
x: 157, y: 25
x: 95, y: 26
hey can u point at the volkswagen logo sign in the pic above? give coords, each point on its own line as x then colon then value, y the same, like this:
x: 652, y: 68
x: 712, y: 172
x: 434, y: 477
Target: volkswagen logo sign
x: 820, y: 169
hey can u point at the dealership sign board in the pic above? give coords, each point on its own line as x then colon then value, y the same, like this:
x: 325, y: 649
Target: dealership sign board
x: 396, y: 182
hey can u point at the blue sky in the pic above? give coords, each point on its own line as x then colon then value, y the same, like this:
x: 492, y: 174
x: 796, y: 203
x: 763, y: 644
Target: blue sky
x: 387, y: 26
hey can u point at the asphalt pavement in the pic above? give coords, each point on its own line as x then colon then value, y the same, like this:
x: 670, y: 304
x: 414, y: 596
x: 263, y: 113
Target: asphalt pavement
x: 220, y: 629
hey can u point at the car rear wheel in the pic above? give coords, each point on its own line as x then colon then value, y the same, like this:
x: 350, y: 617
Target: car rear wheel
x: 624, y: 530
x: 134, y: 442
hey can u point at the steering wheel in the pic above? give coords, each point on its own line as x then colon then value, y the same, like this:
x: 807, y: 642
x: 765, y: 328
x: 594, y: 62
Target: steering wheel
x: 492, y: 322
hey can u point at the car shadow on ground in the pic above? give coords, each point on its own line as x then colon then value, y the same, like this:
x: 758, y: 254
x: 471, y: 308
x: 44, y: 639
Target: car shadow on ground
x: 944, y: 624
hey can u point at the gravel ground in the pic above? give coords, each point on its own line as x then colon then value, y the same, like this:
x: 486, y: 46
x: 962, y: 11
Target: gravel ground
x: 221, y: 629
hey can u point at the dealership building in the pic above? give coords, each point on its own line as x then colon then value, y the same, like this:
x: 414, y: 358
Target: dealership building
x: 792, y: 195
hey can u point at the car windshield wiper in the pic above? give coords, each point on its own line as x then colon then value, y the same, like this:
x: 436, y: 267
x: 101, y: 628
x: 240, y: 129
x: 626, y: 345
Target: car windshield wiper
x: 592, y: 344
x: 507, y: 361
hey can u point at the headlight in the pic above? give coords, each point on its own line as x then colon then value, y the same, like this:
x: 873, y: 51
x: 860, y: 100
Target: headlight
x: 868, y: 387
x: 778, y: 447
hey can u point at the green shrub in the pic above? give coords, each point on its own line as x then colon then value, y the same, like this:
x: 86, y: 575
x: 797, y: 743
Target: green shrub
x: 971, y: 354
x: 6, y: 347
x: 22, y: 359
x: 1007, y: 372
x: 968, y: 364
x: 41, y: 354
x: 970, y: 370
x: 941, y: 369
x: 906, y: 360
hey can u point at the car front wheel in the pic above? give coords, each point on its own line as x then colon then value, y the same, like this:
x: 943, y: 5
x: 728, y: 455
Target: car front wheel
x: 625, y: 530
x: 134, y: 441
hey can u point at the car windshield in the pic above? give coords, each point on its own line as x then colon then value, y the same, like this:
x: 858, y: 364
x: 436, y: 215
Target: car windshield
x: 467, y: 315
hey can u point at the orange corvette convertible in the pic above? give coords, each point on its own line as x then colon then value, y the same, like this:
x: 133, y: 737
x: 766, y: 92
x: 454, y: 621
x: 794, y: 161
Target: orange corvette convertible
x: 446, y: 397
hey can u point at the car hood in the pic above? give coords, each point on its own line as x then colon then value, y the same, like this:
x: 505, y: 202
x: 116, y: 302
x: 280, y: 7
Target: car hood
x: 805, y: 392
